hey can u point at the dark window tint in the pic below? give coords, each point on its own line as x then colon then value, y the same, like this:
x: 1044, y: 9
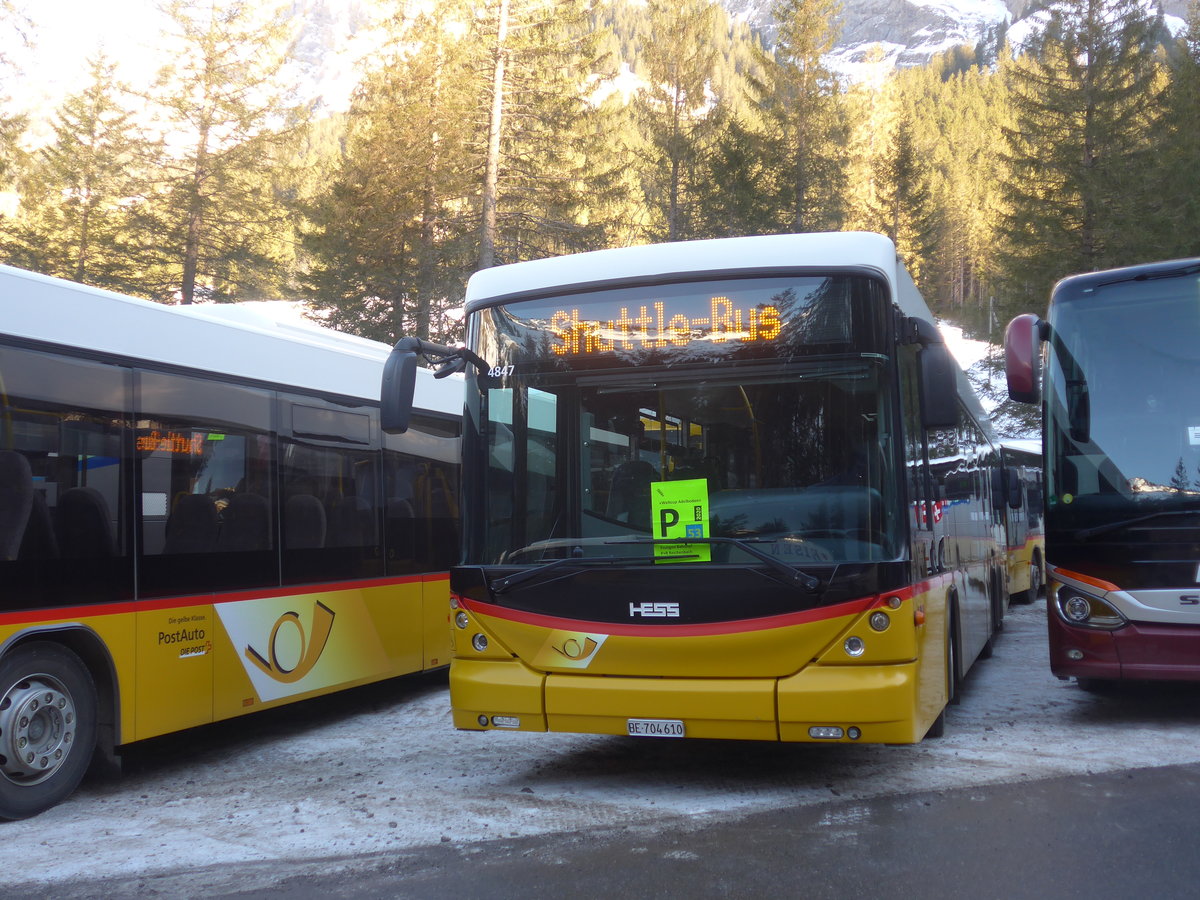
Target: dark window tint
x: 203, y: 451
x: 64, y: 529
x: 329, y: 496
x: 422, y: 514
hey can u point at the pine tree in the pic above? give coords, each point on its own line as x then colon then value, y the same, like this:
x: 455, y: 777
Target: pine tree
x: 678, y: 60
x: 1178, y: 234
x: 1087, y: 101
x: 903, y: 203
x: 537, y: 65
x: 736, y: 171
x: 800, y: 101
x: 75, y: 219
x: 13, y: 27
x: 215, y: 224
x: 394, y: 237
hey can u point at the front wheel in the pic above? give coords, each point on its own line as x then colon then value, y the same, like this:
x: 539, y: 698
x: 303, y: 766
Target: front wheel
x: 1035, y: 581
x: 47, y: 727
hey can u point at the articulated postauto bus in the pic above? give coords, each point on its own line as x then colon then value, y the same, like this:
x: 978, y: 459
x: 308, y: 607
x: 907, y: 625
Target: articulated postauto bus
x: 200, y: 518
x: 1025, y: 523
x: 719, y: 489
x: 1121, y: 427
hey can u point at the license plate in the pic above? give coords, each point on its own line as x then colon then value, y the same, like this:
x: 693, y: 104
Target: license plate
x: 669, y: 728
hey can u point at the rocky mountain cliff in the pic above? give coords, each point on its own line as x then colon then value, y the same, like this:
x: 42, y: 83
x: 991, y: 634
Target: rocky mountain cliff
x: 911, y: 32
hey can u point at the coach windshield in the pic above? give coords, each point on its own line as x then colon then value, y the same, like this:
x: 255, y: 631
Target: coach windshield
x: 622, y: 423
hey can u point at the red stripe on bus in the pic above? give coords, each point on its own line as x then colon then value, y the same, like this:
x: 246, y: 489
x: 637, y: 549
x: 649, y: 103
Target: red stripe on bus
x: 24, y: 617
x: 737, y: 626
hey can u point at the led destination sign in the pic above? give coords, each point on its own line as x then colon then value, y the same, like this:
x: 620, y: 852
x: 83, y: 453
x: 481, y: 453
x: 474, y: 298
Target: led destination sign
x: 663, y: 324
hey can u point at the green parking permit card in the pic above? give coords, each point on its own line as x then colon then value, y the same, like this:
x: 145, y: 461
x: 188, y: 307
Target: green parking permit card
x: 679, y: 509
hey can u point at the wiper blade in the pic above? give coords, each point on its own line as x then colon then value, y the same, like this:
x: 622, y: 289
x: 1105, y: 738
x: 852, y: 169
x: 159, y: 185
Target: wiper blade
x: 790, y: 575
x: 500, y: 585
x: 1084, y: 534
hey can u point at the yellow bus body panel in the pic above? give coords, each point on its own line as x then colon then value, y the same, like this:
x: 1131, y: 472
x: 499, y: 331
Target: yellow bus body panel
x: 767, y: 684
x: 190, y: 664
x: 116, y: 632
x: 505, y: 687
x: 881, y: 701
x: 1021, y: 562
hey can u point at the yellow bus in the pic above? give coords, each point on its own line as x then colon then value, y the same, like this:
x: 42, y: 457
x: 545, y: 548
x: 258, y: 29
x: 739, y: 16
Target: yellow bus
x: 717, y: 489
x: 200, y: 518
x: 1025, y: 523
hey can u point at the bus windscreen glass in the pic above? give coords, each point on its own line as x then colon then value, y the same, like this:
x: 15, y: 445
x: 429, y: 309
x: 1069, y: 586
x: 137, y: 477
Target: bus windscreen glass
x: 613, y: 424
x: 1123, y: 402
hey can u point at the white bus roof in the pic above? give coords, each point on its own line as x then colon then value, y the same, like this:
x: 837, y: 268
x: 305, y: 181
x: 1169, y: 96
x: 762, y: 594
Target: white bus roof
x: 859, y: 251
x: 225, y: 339
x: 826, y: 251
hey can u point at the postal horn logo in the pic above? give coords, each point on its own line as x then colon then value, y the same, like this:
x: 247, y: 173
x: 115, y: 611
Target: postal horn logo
x: 287, y: 630
x: 575, y: 650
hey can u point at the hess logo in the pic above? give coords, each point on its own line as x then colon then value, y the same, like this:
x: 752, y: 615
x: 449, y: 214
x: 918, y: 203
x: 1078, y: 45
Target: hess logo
x: 291, y: 651
x: 655, y: 610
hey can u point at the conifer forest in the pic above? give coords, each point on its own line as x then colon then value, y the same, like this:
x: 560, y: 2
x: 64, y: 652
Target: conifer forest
x: 492, y: 131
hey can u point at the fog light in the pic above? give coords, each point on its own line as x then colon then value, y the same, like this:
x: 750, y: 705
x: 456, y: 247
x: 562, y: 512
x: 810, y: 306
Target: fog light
x: 483, y: 721
x: 854, y: 646
x: 461, y: 620
x: 479, y: 642
x: 825, y: 732
x: 853, y: 733
x: 880, y: 620
x: 1074, y: 654
x: 1077, y: 609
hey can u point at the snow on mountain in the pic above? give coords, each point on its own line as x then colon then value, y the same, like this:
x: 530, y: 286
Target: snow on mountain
x: 879, y: 35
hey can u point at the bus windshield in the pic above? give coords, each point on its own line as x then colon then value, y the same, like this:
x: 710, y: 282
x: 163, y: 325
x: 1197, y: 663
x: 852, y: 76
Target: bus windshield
x: 1123, y: 403
x: 606, y: 432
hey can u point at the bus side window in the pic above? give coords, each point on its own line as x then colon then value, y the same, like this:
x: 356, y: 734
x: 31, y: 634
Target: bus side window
x: 329, y: 486
x: 203, y: 451
x: 421, y: 490
x: 62, y: 481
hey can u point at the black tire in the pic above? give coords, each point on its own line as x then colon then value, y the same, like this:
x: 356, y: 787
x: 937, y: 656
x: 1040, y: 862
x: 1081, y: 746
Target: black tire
x: 47, y: 727
x: 994, y: 622
x: 954, y: 654
x: 1035, y: 581
x: 938, y: 728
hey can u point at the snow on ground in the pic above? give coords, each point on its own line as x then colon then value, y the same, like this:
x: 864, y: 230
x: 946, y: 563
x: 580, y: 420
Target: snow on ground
x: 381, y: 770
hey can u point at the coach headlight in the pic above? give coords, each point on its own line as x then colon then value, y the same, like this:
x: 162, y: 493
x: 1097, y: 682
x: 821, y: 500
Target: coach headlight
x: 1077, y: 608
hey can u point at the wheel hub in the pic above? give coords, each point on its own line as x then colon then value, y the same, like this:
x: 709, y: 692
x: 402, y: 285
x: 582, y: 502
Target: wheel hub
x: 37, y: 726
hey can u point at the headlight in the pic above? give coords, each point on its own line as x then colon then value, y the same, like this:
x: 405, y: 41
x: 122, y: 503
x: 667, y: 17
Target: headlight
x: 461, y: 620
x: 854, y: 646
x: 1078, y: 608
x: 879, y: 620
x: 479, y: 642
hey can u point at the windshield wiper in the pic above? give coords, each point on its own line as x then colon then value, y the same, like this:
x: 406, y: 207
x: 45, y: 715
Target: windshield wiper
x: 789, y: 575
x: 1084, y: 534
x: 500, y: 585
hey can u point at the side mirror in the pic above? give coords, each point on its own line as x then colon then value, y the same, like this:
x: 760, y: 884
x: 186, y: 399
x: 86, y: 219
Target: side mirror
x: 1014, y: 488
x: 939, y: 373
x: 939, y: 387
x: 399, y: 385
x: 1023, y: 358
